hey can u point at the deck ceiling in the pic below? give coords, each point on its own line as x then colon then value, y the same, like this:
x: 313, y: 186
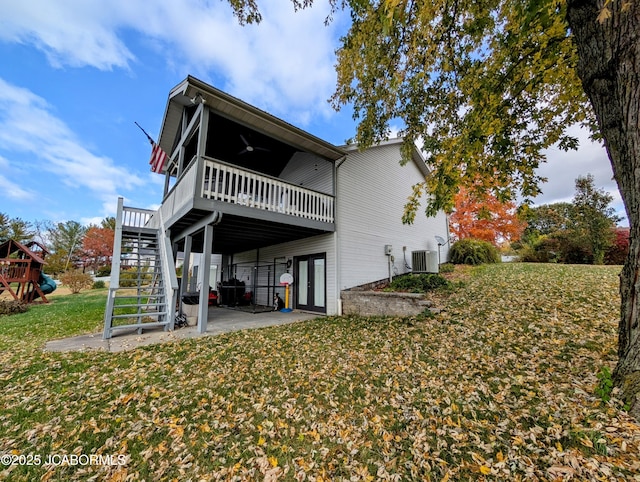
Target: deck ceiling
x: 252, y: 119
x: 227, y: 141
x: 235, y: 234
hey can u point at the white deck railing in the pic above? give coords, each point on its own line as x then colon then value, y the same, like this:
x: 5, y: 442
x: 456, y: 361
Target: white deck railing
x: 182, y: 193
x: 223, y: 182
x: 135, y: 217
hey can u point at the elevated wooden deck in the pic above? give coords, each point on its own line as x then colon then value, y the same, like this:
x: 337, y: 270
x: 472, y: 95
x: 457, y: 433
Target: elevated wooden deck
x: 257, y: 209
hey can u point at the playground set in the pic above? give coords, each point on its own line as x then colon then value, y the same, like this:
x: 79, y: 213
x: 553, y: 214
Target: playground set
x: 22, y: 265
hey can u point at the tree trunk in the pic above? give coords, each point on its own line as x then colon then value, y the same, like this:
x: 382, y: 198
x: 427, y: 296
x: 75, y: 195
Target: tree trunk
x: 609, y: 67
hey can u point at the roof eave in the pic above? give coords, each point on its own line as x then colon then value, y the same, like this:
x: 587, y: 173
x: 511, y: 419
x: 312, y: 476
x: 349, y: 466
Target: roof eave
x: 240, y: 111
x: 417, y: 156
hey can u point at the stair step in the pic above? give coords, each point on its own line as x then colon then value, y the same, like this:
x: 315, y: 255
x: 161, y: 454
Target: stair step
x: 133, y: 297
x: 140, y: 291
x: 141, y: 315
x: 147, y: 251
x: 134, y: 256
x: 134, y: 268
x: 141, y: 276
x: 140, y: 286
x: 119, y: 307
x: 140, y: 266
x: 139, y: 326
x: 133, y: 259
x: 147, y: 273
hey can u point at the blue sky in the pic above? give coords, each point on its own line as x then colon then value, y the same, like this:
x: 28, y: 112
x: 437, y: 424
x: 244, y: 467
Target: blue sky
x: 76, y: 74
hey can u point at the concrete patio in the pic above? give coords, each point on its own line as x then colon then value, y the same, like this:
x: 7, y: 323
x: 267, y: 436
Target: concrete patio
x: 220, y: 320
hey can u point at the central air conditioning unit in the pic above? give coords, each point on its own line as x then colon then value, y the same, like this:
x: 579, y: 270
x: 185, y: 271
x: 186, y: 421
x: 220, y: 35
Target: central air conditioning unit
x: 424, y: 261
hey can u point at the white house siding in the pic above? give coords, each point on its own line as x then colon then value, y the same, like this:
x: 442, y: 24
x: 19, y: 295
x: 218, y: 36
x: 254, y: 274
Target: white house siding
x: 315, y: 245
x: 215, y: 267
x: 312, y: 172
x: 372, y: 189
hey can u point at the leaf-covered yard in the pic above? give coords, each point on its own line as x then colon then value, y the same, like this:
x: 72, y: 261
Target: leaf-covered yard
x: 501, y: 385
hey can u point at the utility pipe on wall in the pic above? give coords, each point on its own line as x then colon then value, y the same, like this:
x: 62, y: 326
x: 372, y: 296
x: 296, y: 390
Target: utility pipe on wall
x: 387, y: 251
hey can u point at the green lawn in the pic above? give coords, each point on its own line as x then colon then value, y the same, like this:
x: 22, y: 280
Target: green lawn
x: 64, y: 316
x: 501, y: 385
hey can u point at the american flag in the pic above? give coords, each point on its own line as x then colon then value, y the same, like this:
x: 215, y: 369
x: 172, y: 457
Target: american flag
x: 158, y: 158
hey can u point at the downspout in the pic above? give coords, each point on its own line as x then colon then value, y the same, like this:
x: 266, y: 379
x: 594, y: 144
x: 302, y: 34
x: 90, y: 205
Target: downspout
x: 448, y: 238
x: 336, y: 238
x: 255, y: 277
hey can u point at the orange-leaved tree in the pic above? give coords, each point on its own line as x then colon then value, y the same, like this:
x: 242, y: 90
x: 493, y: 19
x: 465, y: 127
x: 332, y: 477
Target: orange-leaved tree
x: 483, y: 216
x: 98, y: 246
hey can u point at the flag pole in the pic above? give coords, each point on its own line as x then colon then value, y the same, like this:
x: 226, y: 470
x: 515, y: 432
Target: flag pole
x: 145, y: 133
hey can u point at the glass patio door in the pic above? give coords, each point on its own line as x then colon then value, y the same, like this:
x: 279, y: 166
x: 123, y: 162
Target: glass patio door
x: 311, y: 289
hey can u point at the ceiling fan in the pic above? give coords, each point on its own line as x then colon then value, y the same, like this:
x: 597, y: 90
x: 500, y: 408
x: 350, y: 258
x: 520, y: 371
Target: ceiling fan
x: 250, y: 148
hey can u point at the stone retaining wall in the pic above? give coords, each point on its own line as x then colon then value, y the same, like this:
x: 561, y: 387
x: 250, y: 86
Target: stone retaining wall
x: 382, y: 303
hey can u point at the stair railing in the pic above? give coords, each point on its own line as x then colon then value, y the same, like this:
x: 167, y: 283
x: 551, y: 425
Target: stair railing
x: 168, y: 271
x: 141, y: 218
x: 114, y: 280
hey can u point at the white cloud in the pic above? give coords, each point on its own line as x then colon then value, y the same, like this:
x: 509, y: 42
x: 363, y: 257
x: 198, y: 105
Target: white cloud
x: 562, y: 168
x: 9, y: 188
x: 27, y: 126
x: 71, y: 32
x: 96, y: 220
x: 284, y: 64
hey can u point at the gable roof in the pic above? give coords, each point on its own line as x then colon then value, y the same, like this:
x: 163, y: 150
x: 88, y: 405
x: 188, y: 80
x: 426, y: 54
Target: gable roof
x: 416, y: 155
x: 241, y: 112
x: 11, y: 246
x: 40, y: 247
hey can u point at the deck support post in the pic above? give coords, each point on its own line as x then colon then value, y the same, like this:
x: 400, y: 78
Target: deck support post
x: 203, y: 308
x: 186, y: 266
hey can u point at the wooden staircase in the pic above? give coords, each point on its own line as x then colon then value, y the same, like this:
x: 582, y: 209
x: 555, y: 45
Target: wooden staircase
x: 143, y: 285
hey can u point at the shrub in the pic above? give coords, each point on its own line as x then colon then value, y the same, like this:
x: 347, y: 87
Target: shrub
x: 474, y: 252
x: 128, y: 279
x: 104, y: 271
x: 12, y: 307
x: 98, y: 285
x: 528, y: 255
x: 558, y: 247
x: 546, y: 249
x: 76, y: 280
x: 617, y: 253
x: 447, y: 268
x: 605, y: 384
x: 418, y: 283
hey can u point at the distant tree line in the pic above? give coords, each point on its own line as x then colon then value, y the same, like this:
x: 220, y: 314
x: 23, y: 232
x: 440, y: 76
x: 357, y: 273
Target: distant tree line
x: 70, y: 244
x: 583, y: 231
